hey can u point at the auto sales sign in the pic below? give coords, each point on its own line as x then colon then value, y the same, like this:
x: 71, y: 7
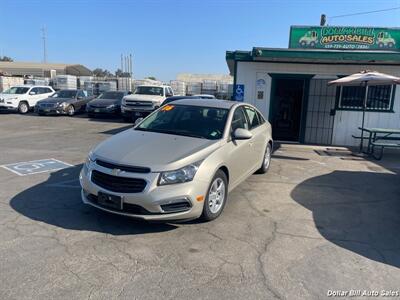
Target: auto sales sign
x: 344, y: 38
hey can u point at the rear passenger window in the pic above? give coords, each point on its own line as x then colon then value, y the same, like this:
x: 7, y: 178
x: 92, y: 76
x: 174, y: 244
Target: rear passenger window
x: 253, y: 117
x: 261, y: 118
x: 239, y: 119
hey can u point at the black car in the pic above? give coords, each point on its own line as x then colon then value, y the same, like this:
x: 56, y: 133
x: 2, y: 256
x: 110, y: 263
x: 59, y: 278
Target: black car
x: 108, y: 103
x: 64, y: 102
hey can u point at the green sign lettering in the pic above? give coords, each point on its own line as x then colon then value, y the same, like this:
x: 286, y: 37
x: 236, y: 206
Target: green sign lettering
x: 344, y: 38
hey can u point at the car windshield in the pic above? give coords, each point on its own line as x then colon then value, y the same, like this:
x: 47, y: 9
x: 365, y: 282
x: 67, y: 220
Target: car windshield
x: 65, y: 94
x: 16, y: 90
x: 149, y: 90
x: 187, y: 120
x: 112, y: 95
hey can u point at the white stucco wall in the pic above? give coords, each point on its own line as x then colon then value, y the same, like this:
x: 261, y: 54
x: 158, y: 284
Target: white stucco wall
x: 346, y: 122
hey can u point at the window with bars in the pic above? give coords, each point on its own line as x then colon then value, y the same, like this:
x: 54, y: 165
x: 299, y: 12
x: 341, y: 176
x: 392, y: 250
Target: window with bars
x: 380, y: 97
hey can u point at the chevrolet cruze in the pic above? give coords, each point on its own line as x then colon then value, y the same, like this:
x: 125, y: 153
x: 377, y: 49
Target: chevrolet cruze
x: 180, y: 162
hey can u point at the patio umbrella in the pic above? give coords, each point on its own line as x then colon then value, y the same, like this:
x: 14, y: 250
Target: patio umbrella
x: 365, y: 78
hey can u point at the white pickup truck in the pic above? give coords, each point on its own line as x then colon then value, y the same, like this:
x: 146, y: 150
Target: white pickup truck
x: 144, y: 100
x: 22, y: 98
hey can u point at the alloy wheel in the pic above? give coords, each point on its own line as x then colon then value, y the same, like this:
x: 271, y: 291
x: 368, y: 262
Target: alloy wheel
x: 216, y: 195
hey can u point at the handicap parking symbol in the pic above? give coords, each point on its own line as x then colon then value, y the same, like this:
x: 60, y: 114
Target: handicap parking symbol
x: 36, y: 166
x: 239, y: 92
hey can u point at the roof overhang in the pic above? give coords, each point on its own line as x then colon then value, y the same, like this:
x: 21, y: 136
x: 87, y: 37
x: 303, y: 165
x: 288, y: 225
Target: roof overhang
x: 259, y: 54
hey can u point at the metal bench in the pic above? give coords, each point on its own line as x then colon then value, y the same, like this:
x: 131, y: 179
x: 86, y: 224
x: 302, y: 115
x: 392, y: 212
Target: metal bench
x: 382, y: 144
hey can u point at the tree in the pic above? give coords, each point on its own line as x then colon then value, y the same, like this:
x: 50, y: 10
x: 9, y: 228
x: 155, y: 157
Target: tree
x: 119, y: 73
x: 6, y: 58
x: 151, y: 78
x: 99, y: 72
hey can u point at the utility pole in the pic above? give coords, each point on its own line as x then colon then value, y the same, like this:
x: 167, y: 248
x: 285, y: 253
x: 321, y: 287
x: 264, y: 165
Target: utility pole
x: 44, y: 44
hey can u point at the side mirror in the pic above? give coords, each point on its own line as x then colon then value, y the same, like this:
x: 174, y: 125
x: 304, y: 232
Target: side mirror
x: 242, y: 134
x: 79, y: 97
x: 32, y: 93
x: 138, y: 120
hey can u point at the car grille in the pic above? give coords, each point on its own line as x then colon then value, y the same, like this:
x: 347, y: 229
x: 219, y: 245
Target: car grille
x: 47, y: 105
x: 146, y: 104
x: 118, y: 184
x: 131, y: 169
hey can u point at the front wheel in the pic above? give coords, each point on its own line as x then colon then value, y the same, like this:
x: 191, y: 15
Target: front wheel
x: 70, y: 110
x: 216, y: 197
x: 23, y: 107
x: 266, y: 160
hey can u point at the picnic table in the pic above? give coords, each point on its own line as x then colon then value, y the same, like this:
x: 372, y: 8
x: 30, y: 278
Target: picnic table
x: 381, y: 138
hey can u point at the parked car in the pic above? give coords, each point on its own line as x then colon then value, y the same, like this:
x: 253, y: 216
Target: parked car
x: 178, y: 163
x: 174, y: 98
x: 145, y: 99
x: 108, y: 103
x: 204, y: 96
x: 64, y: 102
x: 23, y: 98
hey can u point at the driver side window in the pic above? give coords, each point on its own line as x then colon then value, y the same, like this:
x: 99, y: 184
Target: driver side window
x: 239, y: 119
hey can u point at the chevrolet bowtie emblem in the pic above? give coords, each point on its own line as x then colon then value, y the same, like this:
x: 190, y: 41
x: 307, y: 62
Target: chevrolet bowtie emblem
x: 115, y: 171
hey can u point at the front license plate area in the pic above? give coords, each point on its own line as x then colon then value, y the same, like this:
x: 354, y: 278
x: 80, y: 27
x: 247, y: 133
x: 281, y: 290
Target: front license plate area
x: 110, y: 201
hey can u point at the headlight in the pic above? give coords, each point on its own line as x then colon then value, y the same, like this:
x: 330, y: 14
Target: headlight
x: 184, y: 174
x: 111, y: 106
x: 89, y: 159
x: 63, y: 104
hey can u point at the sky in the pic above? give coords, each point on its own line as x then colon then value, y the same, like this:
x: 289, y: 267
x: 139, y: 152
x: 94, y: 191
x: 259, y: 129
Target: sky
x: 167, y: 37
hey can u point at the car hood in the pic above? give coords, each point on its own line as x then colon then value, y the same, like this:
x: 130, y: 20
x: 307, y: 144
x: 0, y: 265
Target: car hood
x: 139, y: 97
x: 157, y: 151
x: 10, y: 96
x: 105, y: 102
x: 57, y: 100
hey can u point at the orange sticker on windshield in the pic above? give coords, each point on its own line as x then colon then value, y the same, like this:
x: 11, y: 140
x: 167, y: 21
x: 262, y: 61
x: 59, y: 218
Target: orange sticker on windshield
x: 167, y: 108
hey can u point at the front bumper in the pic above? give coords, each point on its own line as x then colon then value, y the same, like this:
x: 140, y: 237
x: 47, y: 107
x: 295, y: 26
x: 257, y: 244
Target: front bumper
x: 154, y: 203
x: 5, y: 107
x: 102, y: 110
x: 136, y: 112
x: 50, y: 110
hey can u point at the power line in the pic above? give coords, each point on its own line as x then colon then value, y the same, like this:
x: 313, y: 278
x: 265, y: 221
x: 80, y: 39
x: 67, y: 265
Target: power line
x: 365, y: 13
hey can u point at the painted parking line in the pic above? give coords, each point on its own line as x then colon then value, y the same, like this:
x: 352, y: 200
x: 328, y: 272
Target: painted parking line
x: 36, y: 166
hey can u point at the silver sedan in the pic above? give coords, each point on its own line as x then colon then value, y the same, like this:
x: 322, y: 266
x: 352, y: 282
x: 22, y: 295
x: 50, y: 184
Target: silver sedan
x: 178, y: 163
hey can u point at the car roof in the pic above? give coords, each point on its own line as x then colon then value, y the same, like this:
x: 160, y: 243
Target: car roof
x: 206, y: 102
x: 31, y: 85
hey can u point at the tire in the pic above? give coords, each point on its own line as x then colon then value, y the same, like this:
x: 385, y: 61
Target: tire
x: 70, y: 110
x: 303, y: 43
x: 217, y: 195
x: 265, y: 164
x: 23, y: 107
x: 91, y: 115
x: 312, y: 44
x: 390, y: 45
x: 381, y: 45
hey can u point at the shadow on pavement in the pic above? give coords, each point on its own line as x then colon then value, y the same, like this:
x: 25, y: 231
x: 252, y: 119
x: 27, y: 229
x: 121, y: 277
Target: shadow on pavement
x: 358, y: 211
x: 57, y: 202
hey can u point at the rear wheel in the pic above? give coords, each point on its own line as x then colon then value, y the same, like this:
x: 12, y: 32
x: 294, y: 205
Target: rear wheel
x: 216, y: 197
x: 266, y: 160
x: 23, y: 107
x: 70, y: 110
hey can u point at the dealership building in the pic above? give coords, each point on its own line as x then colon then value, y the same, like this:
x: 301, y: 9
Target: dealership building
x: 290, y: 86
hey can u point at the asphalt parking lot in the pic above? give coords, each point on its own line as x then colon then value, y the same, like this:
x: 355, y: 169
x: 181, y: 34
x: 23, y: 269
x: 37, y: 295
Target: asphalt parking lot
x: 320, y: 220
